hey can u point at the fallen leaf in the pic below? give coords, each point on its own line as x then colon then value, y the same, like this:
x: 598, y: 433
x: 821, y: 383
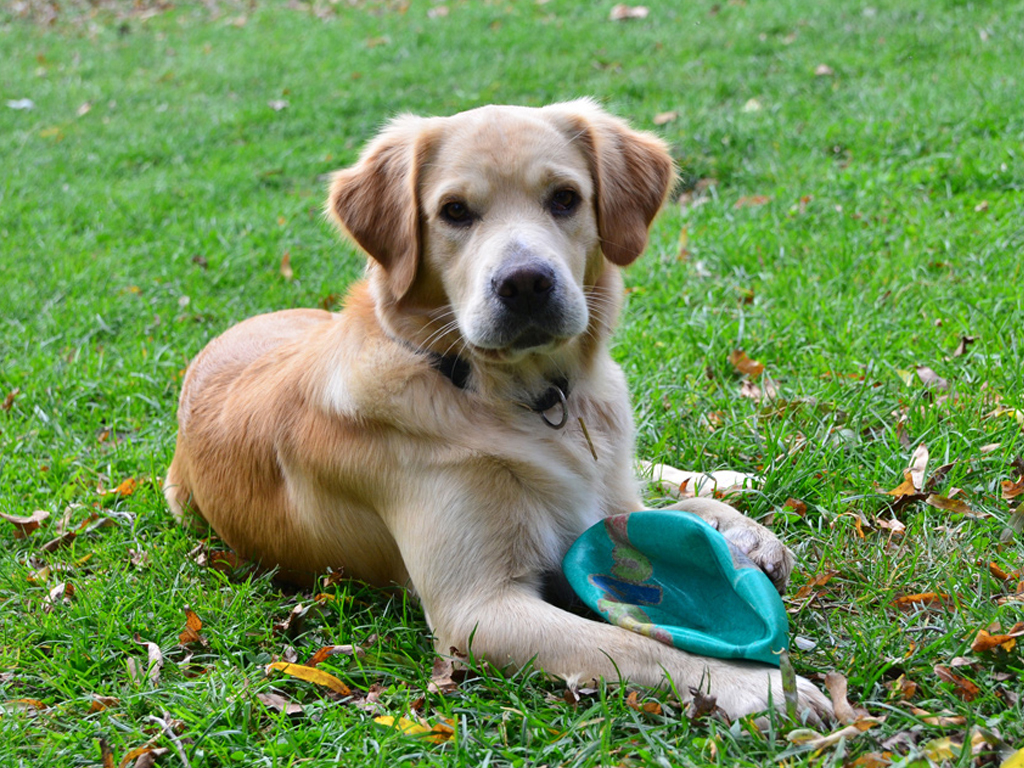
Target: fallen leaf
x: 623, y: 12
x: 286, y: 266
x: 154, y: 664
x: 904, y: 688
x: 191, y: 632
x: 744, y: 365
x: 126, y: 487
x: 278, y: 104
x: 100, y: 703
x: 106, y: 754
x: 437, y: 734
x: 750, y: 201
x: 941, y: 750
x: 930, y: 378
x: 796, y: 505
x: 701, y: 705
x: 963, y: 687
x: 1016, y: 760
x: 1011, y: 488
x: 311, y: 675
x: 958, y: 506
x: 906, y: 489
x: 872, y: 760
x: 84, y: 109
x: 984, y: 641
x: 62, y: 592
x: 824, y: 70
x: 965, y: 342
x: 8, y: 402
x: 918, y: 466
x: 279, y: 703
x: 650, y: 707
x: 812, y: 740
x: 818, y: 581
x: 445, y: 675
x: 23, y: 526
x: 920, y: 598
x: 331, y: 650
x: 836, y: 685
x: 663, y: 118
x: 753, y: 105
x: 942, y: 718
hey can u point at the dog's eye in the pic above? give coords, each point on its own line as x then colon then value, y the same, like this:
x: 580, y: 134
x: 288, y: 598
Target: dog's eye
x: 457, y: 213
x: 564, y: 202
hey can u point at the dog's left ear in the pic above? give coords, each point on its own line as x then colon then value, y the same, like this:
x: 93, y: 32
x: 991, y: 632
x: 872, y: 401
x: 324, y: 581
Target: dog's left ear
x: 375, y: 201
x: 632, y: 173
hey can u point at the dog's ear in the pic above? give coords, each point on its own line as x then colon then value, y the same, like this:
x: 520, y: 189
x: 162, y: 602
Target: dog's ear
x: 375, y: 201
x: 632, y: 173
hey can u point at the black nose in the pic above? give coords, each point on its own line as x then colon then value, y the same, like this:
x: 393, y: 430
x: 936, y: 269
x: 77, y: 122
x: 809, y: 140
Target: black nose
x: 524, y: 288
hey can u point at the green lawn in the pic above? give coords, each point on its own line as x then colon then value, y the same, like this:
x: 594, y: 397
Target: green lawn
x: 850, y: 208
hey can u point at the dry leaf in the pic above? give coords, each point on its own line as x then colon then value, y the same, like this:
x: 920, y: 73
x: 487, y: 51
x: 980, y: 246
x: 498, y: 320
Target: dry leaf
x: 958, y: 506
x: 622, y: 12
x: 930, y: 378
x: 796, y: 505
x: 8, y: 402
x: 62, y: 592
x: 662, y: 118
x: 906, y: 489
x: 918, y: 466
x: 311, y: 675
x: 650, y: 707
x: 984, y: 641
x: 286, y: 266
x: 920, y: 598
x: 1011, y: 488
x: 963, y: 687
x: 279, y: 703
x: 332, y: 650
x: 154, y: 663
x: 938, y: 718
x: 23, y: 526
x: 904, y: 688
x: 191, y: 632
x: 824, y: 70
x: 100, y: 703
x: 965, y: 342
x: 812, y: 740
x: 744, y: 365
x: 750, y: 201
x: 836, y: 685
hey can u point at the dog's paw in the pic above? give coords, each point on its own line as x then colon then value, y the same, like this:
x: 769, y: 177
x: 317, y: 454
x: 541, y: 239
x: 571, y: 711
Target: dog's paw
x: 762, y: 547
x: 755, y: 541
x: 748, y: 690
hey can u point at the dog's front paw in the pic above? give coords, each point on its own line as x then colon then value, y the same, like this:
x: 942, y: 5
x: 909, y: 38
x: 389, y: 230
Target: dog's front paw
x: 749, y: 689
x: 762, y: 547
x: 755, y: 541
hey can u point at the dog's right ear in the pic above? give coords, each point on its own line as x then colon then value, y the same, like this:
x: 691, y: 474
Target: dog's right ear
x: 375, y: 201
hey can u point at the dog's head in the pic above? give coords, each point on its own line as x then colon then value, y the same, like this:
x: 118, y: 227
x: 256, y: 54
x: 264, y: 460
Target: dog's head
x: 490, y: 231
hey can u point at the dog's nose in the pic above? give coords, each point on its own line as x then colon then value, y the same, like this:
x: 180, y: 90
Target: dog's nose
x: 524, y: 288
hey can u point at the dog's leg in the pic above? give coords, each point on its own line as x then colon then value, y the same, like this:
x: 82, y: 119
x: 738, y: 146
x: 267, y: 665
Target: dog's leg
x: 753, y: 539
x: 516, y: 627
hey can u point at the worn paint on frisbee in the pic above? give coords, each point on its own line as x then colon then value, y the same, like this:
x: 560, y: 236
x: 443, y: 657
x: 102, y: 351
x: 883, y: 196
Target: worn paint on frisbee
x: 671, y: 576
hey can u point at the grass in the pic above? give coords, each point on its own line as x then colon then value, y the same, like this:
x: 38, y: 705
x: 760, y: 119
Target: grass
x: 849, y: 227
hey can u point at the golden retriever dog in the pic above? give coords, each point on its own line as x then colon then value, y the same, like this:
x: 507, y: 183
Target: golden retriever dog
x: 460, y: 422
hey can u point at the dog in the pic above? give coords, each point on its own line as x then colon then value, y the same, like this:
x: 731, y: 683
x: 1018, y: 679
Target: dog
x: 460, y: 422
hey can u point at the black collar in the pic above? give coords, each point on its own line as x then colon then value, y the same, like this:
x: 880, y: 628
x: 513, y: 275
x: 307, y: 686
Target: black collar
x: 457, y: 370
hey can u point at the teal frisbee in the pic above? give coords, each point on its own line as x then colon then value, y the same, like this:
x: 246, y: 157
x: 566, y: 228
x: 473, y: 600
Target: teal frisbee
x: 669, y: 575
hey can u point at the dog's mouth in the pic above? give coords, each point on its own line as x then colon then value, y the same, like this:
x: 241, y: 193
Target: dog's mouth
x: 534, y: 340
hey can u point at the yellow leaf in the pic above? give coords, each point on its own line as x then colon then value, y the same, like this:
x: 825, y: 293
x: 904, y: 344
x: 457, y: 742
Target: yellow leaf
x: 1016, y: 760
x: 312, y: 675
x: 438, y: 734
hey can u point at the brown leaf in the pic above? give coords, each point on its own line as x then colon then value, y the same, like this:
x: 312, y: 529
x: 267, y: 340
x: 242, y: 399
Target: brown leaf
x: 984, y: 641
x: 286, y: 266
x: 662, y: 118
x: 100, y: 703
x: 446, y: 675
x: 623, y: 12
x: 8, y: 402
x: 126, y: 487
x: 62, y: 593
x: 836, y: 685
x: 796, y: 505
x: 650, y: 707
x: 701, y: 704
x: 23, y: 526
x: 930, y: 378
x: 1002, y: 575
x: 906, y: 489
x: 963, y: 687
x: 958, y: 506
x: 1013, y: 488
x: 279, y: 703
x: 332, y: 650
x: 965, y: 342
x: 920, y: 598
x: 106, y: 754
x: 906, y: 689
x: 744, y: 365
x: 819, y: 581
x: 191, y: 632
x: 750, y: 201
